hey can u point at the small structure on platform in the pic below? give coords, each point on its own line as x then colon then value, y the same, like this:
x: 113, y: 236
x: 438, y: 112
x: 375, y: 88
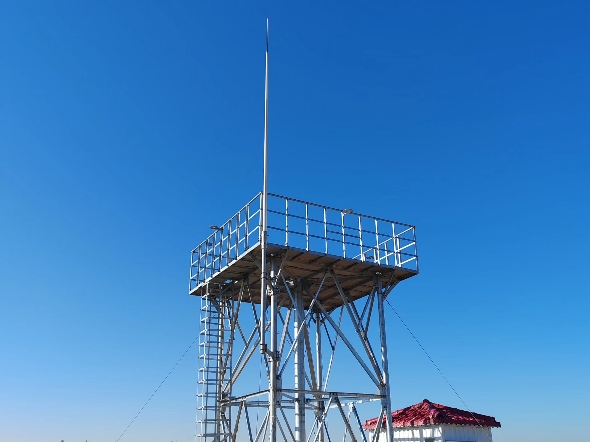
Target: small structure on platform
x: 430, y: 422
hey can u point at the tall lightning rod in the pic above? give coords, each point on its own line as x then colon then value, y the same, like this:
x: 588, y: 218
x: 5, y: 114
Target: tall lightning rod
x: 264, y: 233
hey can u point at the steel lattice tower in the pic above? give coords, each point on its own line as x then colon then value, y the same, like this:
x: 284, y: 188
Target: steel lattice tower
x: 277, y: 282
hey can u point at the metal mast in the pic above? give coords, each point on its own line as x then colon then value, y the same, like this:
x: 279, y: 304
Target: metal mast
x: 265, y: 288
x: 264, y: 215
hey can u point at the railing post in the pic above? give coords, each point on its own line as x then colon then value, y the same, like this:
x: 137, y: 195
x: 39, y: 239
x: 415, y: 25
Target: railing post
x: 247, y: 227
x: 238, y: 234
x: 343, y: 236
x: 229, y: 242
x: 377, y: 258
x: 416, y: 249
x: 362, y: 254
x: 287, y: 221
x: 307, y: 227
x: 326, y: 228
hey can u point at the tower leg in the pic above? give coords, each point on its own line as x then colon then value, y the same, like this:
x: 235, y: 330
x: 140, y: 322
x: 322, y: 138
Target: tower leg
x: 299, y: 366
x: 385, y: 390
x: 272, y: 397
x: 319, y: 368
x: 221, y: 336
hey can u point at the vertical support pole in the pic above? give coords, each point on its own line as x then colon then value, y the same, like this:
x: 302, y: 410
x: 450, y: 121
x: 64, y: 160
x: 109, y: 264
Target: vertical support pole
x: 272, y: 391
x: 299, y: 364
x: 385, y: 391
x: 319, y: 368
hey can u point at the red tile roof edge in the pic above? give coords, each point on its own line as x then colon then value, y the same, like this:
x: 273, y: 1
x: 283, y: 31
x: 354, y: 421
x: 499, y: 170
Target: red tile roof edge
x: 429, y: 413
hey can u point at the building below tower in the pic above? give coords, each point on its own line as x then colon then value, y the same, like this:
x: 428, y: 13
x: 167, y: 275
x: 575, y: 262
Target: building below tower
x: 430, y: 422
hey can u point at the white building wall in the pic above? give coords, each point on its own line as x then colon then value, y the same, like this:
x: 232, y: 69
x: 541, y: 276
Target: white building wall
x: 412, y: 434
x: 466, y: 433
x: 440, y: 433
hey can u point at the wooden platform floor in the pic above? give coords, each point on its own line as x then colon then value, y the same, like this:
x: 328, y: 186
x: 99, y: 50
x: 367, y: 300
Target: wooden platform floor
x: 355, y: 277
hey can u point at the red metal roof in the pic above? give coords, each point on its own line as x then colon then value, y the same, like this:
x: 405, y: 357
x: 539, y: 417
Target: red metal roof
x: 429, y: 413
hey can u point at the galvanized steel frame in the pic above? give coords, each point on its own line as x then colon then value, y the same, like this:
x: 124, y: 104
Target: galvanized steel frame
x: 227, y: 413
x: 308, y: 227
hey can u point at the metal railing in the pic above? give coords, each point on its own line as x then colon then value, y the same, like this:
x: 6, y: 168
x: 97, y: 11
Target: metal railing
x: 306, y: 226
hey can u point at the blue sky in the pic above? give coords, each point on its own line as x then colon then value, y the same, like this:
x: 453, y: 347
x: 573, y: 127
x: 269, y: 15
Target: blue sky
x: 127, y: 129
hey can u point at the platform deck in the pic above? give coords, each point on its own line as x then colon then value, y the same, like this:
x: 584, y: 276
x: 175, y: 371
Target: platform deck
x: 355, y: 277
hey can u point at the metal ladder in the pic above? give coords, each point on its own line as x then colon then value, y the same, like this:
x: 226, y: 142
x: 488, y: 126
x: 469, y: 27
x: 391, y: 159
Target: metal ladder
x: 214, y: 368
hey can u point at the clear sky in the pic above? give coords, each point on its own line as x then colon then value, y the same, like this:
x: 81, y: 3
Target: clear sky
x: 127, y: 128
